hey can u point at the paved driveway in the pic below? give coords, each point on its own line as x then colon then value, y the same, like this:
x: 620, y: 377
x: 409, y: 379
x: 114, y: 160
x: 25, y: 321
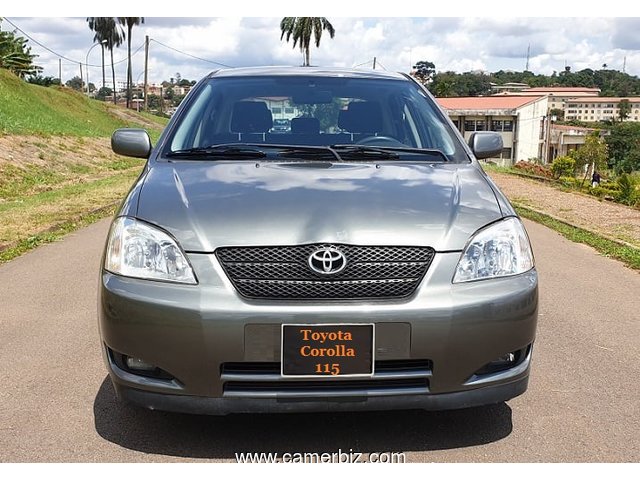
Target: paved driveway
x: 583, y: 403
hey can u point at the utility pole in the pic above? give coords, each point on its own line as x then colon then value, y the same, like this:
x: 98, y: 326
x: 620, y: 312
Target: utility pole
x: 81, y: 80
x: 374, y: 63
x: 526, y: 68
x: 624, y: 65
x: 161, y: 100
x: 60, y: 70
x: 146, y: 69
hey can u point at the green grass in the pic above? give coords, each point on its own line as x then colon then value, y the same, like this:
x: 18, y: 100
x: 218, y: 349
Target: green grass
x: 45, y: 217
x: 32, y: 109
x: 628, y: 255
x: 54, y: 233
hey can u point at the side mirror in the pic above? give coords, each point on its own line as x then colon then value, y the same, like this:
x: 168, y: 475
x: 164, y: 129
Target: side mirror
x: 131, y: 142
x: 486, y: 144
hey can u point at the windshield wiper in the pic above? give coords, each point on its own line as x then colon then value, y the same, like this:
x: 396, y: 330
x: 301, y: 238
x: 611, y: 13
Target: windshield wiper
x: 219, y: 151
x: 306, y: 151
x: 365, y: 151
x: 255, y: 150
x: 385, y: 152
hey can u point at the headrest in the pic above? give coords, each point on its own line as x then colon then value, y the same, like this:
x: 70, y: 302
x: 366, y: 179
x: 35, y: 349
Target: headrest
x: 305, y: 125
x: 251, y: 117
x: 361, y: 117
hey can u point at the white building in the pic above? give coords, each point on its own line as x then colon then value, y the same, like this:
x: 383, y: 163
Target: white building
x: 594, y: 109
x: 521, y: 120
x: 558, y: 96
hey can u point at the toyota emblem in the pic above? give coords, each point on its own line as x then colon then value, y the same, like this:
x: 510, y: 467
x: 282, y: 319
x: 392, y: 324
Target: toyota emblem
x: 327, y: 261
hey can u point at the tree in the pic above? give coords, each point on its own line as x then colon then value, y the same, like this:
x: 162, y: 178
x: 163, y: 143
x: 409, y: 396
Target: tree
x: 424, y: 71
x: 43, y: 81
x: 103, y: 93
x: 16, y: 56
x: 129, y: 22
x: 106, y: 28
x: 624, y: 109
x: 623, y: 144
x: 75, y: 83
x: 153, y: 102
x: 301, y: 29
x: 593, y: 154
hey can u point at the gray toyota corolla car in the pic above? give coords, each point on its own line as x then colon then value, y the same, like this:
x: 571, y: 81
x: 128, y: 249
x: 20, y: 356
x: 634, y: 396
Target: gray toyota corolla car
x: 360, y: 259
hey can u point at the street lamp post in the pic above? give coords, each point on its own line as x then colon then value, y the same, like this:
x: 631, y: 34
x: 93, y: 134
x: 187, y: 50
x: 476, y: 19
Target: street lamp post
x: 86, y: 60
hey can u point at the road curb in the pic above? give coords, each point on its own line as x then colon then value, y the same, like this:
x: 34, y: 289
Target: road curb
x: 569, y: 224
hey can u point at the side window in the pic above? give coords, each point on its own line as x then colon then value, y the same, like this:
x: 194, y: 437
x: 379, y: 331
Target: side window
x: 428, y: 130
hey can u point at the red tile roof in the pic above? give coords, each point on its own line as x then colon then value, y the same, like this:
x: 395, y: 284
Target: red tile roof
x: 500, y: 102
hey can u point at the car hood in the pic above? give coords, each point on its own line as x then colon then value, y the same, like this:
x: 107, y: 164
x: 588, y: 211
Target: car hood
x: 205, y: 204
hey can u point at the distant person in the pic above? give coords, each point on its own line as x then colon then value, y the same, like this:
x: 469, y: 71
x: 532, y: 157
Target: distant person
x: 595, y: 179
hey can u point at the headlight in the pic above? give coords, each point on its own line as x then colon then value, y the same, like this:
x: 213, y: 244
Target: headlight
x: 136, y: 249
x: 499, y: 250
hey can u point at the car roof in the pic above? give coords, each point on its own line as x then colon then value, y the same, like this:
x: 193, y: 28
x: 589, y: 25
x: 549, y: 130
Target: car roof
x: 306, y: 71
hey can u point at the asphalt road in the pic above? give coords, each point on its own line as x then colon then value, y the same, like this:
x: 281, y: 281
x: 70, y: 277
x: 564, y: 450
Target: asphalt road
x: 583, y: 402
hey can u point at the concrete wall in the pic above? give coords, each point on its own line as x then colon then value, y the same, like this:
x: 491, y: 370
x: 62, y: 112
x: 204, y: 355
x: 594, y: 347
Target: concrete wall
x: 528, y: 136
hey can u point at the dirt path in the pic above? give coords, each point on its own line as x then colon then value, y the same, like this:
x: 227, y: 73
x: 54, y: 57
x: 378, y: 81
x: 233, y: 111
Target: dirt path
x: 604, y: 217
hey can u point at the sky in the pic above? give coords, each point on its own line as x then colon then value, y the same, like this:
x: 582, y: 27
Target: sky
x: 451, y: 43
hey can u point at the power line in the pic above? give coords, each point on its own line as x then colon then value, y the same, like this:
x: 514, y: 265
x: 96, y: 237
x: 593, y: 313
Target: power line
x: 361, y: 64
x: 75, y: 62
x: 189, y: 55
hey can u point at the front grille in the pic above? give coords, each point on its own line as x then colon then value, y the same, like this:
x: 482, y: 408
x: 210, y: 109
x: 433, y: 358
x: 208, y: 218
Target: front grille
x: 284, y: 272
x: 262, y: 379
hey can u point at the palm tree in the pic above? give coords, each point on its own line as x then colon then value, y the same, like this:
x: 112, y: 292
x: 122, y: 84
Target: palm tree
x: 302, y: 29
x: 129, y: 22
x: 16, y: 56
x: 106, y: 28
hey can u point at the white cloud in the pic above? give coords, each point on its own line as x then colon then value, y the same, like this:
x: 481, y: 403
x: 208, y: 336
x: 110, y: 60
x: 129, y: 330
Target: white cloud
x: 459, y: 44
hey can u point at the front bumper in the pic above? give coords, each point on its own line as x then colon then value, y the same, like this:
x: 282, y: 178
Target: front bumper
x: 192, y: 332
x: 223, y: 406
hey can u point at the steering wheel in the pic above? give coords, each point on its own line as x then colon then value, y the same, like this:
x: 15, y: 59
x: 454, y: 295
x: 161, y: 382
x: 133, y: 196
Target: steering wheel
x: 381, y: 141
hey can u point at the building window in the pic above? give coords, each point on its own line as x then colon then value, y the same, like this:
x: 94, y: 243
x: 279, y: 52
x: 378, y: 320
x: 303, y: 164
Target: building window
x: 508, y: 126
x: 506, y: 153
x: 288, y: 110
x: 497, y: 125
x: 474, y: 125
x: 276, y: 110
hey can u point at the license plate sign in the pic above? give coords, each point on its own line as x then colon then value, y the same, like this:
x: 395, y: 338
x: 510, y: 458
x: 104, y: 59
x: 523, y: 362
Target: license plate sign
x: 327, y: 350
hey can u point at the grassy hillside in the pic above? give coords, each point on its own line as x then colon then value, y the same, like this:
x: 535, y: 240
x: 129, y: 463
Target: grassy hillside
x: 57, y: 170
x: 31, y: 109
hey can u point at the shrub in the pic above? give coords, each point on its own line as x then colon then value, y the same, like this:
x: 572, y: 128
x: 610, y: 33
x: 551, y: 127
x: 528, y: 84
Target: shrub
x: 571, y: 182
x: 628, y: 186
x: 609, y: 192
x: 563, y: 166
x: 533, y: 169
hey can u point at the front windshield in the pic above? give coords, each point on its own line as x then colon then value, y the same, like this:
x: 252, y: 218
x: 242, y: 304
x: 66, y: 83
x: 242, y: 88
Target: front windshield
x: 313, y: 110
